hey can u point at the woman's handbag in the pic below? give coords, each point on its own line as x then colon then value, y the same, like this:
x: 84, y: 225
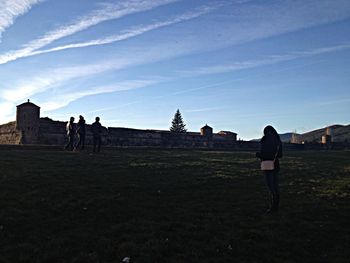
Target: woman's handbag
x: 269, y: 165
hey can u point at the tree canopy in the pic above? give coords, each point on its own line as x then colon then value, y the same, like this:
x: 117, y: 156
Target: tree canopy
x: 177, y: 124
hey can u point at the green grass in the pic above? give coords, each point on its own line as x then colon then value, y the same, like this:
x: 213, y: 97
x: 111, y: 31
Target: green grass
x: 170, y: 206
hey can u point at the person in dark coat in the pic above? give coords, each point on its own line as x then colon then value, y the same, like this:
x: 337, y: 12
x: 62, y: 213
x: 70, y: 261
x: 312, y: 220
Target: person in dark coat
x: 96, y: 129
x: 81, y: 132
x: 70, y: 134
x: 271, y: 149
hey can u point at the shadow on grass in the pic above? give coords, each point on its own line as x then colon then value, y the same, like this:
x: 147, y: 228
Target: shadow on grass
x: 170, y: 206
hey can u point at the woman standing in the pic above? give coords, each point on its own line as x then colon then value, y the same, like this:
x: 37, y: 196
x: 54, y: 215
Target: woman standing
x: 271, y: 150
x: 70, y: 134
x: 81, y: 132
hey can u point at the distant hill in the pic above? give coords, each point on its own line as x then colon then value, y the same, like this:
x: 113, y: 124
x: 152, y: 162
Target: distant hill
x: 285, y: 137
x: 340, y: 133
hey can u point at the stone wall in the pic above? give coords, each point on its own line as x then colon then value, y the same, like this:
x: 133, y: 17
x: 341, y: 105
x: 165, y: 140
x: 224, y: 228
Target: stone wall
x: 224, y: 141
x: 133, y: 137
x: 9, y: 134
x: 54, y: 133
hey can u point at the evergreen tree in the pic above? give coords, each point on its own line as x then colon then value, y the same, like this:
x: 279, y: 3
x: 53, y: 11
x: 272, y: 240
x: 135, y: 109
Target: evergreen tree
x: 177, y: 124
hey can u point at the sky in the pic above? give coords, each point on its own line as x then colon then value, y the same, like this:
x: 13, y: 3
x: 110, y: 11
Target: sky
x: 236, y: 65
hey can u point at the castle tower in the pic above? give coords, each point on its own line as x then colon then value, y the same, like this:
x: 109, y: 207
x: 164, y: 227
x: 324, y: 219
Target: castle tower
x: 207, y: 132
x: 296, y: 138
x: 28, y: 121
x: 328, y: 137
x: 329, y: 131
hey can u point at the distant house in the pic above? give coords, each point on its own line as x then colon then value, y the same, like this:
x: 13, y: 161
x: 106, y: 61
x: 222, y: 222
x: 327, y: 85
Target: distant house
x: 228, y: 134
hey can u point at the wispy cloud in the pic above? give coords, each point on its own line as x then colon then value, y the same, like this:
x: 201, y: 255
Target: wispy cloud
x: 264, y: 19
x: 11, y: 9
x: 244, y: 23
x: 228, y: 68
x: 108, y: 12
x: 64, y: 99
x: 241, y: 65
x: 59, y: 76
x: 335, y: 101
x: 204, y: 109
x: 132, y: 32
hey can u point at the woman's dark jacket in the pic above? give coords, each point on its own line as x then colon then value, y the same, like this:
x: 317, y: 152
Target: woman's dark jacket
x: 81, y: 127
x: 268, y: 150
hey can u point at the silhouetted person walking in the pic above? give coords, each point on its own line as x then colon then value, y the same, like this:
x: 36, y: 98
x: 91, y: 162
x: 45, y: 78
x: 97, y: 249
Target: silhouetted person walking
x: 271, y: 150
x: 70, y: 134
x: 96, y: 129
x: 81, y: 132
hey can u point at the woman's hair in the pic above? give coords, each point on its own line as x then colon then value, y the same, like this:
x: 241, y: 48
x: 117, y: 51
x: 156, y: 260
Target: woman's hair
x: 270, y: 131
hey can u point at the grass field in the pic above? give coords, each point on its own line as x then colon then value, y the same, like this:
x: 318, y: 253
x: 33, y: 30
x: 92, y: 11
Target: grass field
x: 157, y: 205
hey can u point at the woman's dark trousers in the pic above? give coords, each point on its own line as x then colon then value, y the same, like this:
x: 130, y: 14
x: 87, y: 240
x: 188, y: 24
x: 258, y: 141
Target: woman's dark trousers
x: 272, y: 182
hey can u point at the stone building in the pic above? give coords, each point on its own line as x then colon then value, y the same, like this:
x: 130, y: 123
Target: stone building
x: 28, y: 121
x: 29, y: 128
x: 228, y: 135
x: 207, y: 131
x: 327, y: 138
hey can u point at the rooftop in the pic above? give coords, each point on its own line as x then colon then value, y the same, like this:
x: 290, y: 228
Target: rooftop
x: 28, y: 103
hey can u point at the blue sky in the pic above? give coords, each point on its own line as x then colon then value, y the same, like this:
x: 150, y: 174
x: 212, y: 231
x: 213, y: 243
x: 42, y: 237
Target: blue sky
x: 235, y: 65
